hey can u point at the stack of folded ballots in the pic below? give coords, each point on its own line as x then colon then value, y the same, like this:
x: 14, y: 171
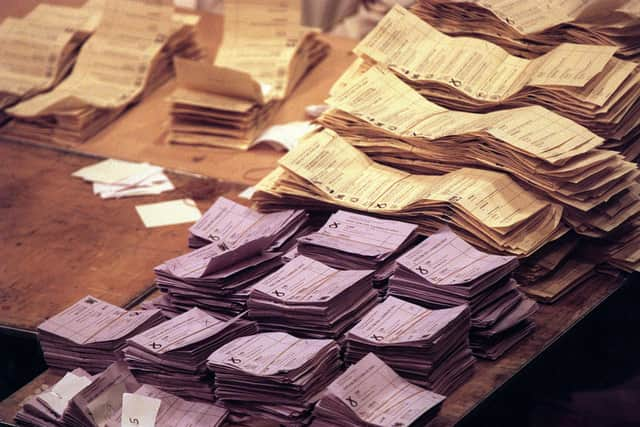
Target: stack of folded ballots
x: 488, y: 208
x: 172, y: 356
x: 46, y: 409
x: 384, y: 117
x: 39, y: 49
x: 273, y: 376
x: 530, y: 29
x: 350, y: 241
x: 129, y: 55
x: 370, y: 393
x: 225, y: 223
x: 257, y: 66
x: 91, y: 334
x: 218, y: 277
x: 430, y: 348
x: 584, y: 83
x: 99, y: 400
x: 445, y: 271
x: 172, y: 411
x: 310, y: 299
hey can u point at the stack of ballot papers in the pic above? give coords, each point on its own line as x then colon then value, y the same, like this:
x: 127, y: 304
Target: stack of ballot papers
x: 228, y: 224
x: 151, y: 406
x: 309, y: 299
x: 530, y: 29
x: 39, y: 49
x: 273, y: 376
x: 172, y: 355
x: 487, y: 208
x: 370, y: 394
x: 113, y: 178
x: 129, y: 55
x: 46, y: 409
x: 265, y: 53
x: 218, y: 278
x: 385, y: 118
x: 584, y: 83
x: 430, y: 348
x: 96, y: 403
x: 445, y: 271
x: 91, y: 334
x: 351, y: 241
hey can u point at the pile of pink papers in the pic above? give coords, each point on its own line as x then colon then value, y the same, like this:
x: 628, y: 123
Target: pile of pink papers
x: 371, y: 394
x: 273, y: 376
x: 351, y: 241
x: 91, y: 333
x: 430, y: 348
x: 172, y: 356
x: 229, y: 224
x: 445, y: 271
x: 309, y: 299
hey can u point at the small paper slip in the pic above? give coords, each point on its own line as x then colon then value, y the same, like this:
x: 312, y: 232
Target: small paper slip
x: 112, y: 171
x: 168, y: 213
x: 285, y: 136
x: 139, y: 411
x: 154, y: 184
x: 63, y: 391
x: 247, y: 193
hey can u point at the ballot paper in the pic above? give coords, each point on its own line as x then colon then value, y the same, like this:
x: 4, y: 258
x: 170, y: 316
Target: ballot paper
x: 47, y: 407
x: 286, y: 136
x: 445, y: 271
x: 127, y: 57
x: 114, y: 178
x: 571, y: 274
x: 171, y: 411
x: 384, y: 117
x: 39, y: 49
x: 228, y: 224
x: 584, y: 83
x: 172, y: 356
x: 273, y: 376
x: 310, y: 299
x: 488, y: 208
x: 231, y: 103
x: 529, y: 29
x: 370, y: 393
x: 350, y: 241
x: 430, y: 348
x: 91, y: 333
x: 168, y: 213
x: 95, y: 404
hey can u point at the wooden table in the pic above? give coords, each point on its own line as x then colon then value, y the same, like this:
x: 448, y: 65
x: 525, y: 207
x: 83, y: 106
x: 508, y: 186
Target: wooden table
x: 101, y: 247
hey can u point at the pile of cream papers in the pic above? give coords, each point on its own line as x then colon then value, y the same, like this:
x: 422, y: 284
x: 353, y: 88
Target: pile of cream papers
x: 273, y: 376
x: 430, y: 348
x: 91, y: 334
x: 226, y: 223
x: 371, y: 394
x: 95, y: 404
x: 46, y: 409
x: 129, y: 55
x: 351, y: 241
x: 164, y: 409
x: 384, y: 117
x: 488, y: 208
x: 172, y: 356
x: 530, y: 29
x: 113, y: 178
x: 39, y: 49
x: 310, y: 299
x: 445, y: 271
x: 265, y: 53
x: 584, y: 83
x: 216, y: 277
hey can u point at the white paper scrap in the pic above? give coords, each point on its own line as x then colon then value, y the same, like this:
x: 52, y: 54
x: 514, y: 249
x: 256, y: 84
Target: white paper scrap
x: 169, y: 213
x: 285, y: 136
x: 112, y: 171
